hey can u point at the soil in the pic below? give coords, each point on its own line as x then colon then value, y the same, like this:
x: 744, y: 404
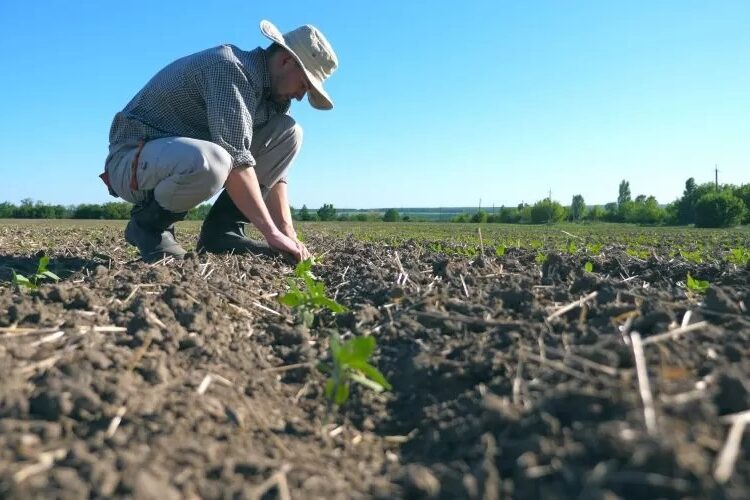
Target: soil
x: 189, y: 379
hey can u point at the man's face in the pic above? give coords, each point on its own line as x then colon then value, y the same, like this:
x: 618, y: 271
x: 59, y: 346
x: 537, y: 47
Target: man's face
x: 288, y: 81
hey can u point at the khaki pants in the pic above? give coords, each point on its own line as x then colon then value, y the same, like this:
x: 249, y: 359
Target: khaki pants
x: 183, y: 172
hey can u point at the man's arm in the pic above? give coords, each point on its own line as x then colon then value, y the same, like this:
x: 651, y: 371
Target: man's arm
x: 278, y: 206
x: 242, y: 186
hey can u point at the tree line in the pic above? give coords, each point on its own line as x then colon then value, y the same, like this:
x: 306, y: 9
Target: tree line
x: 704, y: 205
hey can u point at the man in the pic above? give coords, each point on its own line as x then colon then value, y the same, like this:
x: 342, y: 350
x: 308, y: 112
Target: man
x: 217, y: 119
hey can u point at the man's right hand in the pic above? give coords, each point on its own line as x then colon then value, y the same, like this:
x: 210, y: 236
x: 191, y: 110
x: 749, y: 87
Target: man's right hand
x: 282, y: 242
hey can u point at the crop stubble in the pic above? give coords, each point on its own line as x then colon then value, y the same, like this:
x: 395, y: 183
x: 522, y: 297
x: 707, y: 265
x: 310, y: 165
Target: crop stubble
x: 511, y: 378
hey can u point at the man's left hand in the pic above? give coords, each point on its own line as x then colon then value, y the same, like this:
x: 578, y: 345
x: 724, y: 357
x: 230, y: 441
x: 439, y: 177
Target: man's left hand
x: 303, y: 251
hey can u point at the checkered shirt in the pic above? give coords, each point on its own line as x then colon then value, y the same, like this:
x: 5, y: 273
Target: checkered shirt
x: 217, y: 95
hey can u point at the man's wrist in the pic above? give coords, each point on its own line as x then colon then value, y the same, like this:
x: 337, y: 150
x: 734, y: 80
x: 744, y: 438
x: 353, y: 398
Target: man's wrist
x: 288, y: 230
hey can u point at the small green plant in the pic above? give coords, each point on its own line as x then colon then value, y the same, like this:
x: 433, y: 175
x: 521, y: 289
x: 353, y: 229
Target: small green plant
x: 350, y: 364
x: 739, y: 256
x: 540, y: 258
x: 694, y: 256
x: 696, y: 285
x: 500, y: 250
x: 307, y: 295
x: 32, y: 282
x: 571, y: 247
x: 639, y: 253
x: 594, y: 248
x: 588, y: 267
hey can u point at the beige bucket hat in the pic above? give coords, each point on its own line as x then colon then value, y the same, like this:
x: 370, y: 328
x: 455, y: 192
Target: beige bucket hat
x: 316, y: 56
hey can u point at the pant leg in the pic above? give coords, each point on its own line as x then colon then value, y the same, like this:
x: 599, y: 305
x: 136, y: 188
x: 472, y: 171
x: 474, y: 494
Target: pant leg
x: 274, y: 147
x: 182, y: 172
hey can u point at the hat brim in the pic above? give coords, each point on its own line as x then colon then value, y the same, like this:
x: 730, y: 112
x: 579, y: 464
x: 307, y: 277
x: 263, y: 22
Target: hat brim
x: 317, y: 96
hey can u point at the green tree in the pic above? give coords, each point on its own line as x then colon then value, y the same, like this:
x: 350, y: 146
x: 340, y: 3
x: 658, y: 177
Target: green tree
x: 624, y: 193
x: 391, y: 215
x: 479, y: 216
x: 547, y: 211
x: 645, y: 210
x: 596, y: 213
x: 304, y: 214
x: 719, y: 209
x: 577, y: 208
x: 743, y: 192
x: 327, y: 212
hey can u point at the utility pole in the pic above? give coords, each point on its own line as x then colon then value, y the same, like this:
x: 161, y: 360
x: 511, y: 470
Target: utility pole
x: 549, y: 197
x: 716, y: 173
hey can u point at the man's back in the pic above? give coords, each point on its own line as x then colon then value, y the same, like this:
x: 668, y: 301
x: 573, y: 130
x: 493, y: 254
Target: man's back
x: 178, y: 100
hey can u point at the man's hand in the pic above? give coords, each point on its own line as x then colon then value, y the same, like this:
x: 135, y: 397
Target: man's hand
x: 303, y: 251
x: 280, y: 241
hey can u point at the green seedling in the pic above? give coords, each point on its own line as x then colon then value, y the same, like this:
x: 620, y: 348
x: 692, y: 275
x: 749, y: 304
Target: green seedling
x: 307, y: 295
x: 350, y: 364
x: 571, y: 248
x: 594, y: 248
x: 696, y: 285
x: 639, y: 253
x: 540, y: 258
x: 739, y: 256
x: 32, y: 282
x: 500, y: 250
x: 694, y: 257
x: 588, y: 267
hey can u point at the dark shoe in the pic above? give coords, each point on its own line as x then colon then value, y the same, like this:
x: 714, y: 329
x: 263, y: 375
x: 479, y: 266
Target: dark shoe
x: 151, y: 229
x: 223, y: 230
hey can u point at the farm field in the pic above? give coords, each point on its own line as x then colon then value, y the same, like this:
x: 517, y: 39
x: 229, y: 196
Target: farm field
x: 571, y: 361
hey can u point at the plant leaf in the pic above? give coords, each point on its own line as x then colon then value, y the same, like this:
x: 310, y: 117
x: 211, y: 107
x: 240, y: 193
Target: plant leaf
x: 362, y: 380
x: 357, y: 349
x: 51, y: 275
x: 292, y: 299
x: 42, y: 266
x: 372, y: 373
x: 342, y: 393
x: 588, y: 267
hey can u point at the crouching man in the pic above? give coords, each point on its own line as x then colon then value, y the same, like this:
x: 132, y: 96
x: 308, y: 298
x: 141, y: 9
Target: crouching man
x: 212, y: 120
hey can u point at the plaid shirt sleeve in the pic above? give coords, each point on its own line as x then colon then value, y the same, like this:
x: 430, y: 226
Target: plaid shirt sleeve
x: 230, y: 97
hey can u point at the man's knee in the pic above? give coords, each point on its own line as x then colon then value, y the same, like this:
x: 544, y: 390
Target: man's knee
x: 209, y: 167
x: 289, y: 131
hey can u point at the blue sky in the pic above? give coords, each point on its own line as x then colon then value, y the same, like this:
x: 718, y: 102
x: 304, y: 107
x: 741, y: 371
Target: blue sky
x: 437, y: 103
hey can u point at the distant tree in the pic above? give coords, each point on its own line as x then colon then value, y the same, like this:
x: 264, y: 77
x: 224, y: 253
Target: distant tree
x: 743, y: 192
x: 304, y: 214
x: 6, y: 210
x: 508, y: 215
x: 719, y: 209
x: 547, y: 211
x: 645, y: 211
x: 479, y: 216
x: 596, y: 213
x: 463, y: 217
x: 624, y: 193
x: 577, y: 208
x: 611, y: 213
x: 405, y: 218
x: 391, y: 215
x: 327, y: 212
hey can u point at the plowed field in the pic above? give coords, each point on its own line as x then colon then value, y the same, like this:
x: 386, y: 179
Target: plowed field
x: 516, y: 373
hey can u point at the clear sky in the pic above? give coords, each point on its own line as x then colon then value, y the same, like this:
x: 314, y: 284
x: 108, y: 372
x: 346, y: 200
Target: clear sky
x: 437, y: 103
